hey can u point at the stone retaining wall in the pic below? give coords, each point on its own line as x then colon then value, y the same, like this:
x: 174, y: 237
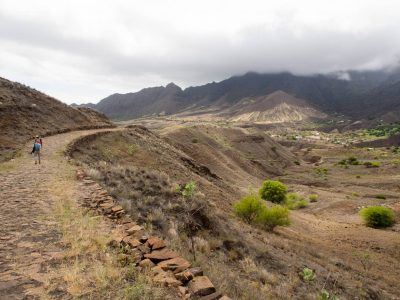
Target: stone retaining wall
x: 148, y: 253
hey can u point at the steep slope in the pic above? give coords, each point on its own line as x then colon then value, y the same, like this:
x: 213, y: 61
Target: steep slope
x: 276, y: 107
x: 382, y: 102
x: 149, y: 101
x: 26, y: 112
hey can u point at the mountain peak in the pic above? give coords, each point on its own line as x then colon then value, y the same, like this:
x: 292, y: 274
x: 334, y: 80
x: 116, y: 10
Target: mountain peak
x: 172, y: 85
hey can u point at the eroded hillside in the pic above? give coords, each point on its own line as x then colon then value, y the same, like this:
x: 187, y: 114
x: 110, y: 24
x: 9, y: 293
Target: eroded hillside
x: 26, y: 112
x: 146, y: 172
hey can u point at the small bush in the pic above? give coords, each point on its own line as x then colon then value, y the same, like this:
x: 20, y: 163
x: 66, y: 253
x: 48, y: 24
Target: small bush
x: 274, y: 191
x: 189, y: 189
x: 380, y: 196
x: 294, y: 201
x: 195, y: 141
x: 269, y: 218
x: 352, y: 160
x: 372, y: 164
x: 307, y: 274
x: 319, y: 171
x: 313, y: 197
x: 249, y: 207
x: 377, y: 216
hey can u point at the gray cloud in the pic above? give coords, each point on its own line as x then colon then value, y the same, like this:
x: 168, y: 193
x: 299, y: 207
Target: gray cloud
x: 127, y: 49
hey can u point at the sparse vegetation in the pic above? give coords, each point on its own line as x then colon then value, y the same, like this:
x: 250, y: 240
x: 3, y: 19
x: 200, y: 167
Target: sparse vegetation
x: 352, y: 160
x: 273, y: 191
x: 384, y: 130
x: 295, y: 201
x: 380, y: 196
x: 252, y: 210
x: 249, y: 207
x: 307, y: 274
x: 325, y: 295
x: 132, y: 149
x: 89, y: 268
x: 270, y: 217
x: 321, y: 172
x: 313, y: 197
x: 189, y: 189
x: 378, y: 216
x: 372, y: 164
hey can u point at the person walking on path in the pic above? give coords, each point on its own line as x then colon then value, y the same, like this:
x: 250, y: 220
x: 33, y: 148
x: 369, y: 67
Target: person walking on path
x: 37, y: 146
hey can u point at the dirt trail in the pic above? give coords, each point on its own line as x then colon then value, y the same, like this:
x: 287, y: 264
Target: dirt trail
x: 28, y: 240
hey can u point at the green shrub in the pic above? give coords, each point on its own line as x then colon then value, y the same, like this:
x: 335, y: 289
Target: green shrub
x: 294, y: 201
x: 313, y: 197
x: 274, y: 191
x: 307, y: 274
x: 269, y: 218
x: 351, y: 160
x: 189, y: 189
x: 372, y: 164
x: 377, y: 216
x: 380, y: 196
x: 319, y: 171
x: 194, y: 141
x: 249, y: 207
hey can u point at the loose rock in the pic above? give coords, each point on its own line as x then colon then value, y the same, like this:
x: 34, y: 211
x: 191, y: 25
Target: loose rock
x: 175, y: 265
x: 201, y: 286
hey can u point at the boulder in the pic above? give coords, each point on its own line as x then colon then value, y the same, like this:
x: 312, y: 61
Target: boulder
x: 201, y: 286
x: 146, y: 263
x: 134, y: 229
x: 176, y: 265
x: 189, y: 274
x: 162, y: 254
x: 155, y: 243
x: 132, y: 242
x: 166, y: 279
x: 144, y: 248
x: 115, y: 241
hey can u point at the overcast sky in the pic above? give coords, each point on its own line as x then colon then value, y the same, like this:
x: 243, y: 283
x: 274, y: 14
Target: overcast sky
x: 82, y: 51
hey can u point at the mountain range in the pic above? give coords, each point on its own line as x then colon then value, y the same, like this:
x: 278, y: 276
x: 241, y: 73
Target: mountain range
x: 268, y: 98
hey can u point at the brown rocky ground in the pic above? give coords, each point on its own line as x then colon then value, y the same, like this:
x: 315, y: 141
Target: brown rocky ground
x: 350, y: 260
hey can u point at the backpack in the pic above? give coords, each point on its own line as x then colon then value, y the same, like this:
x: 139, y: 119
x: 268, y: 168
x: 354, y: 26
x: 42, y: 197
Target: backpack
x: 37, y: 147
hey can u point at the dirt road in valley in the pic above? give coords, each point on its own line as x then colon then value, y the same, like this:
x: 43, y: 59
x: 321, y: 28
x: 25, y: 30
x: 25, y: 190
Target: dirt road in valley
x: 29, y: 240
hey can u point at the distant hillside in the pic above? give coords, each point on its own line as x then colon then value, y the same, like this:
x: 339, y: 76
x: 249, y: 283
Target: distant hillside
x: 26, y: 112
x: 357, y: 95
x: 149, y: 101
x: 276, y: 107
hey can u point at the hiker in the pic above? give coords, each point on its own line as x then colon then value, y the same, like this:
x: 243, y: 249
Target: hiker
x: 37, y: 146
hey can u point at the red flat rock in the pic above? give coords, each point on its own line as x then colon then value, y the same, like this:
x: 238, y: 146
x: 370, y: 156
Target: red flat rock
x: 162, y: 254
x: 176, y: 265
x: 201, y: 286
